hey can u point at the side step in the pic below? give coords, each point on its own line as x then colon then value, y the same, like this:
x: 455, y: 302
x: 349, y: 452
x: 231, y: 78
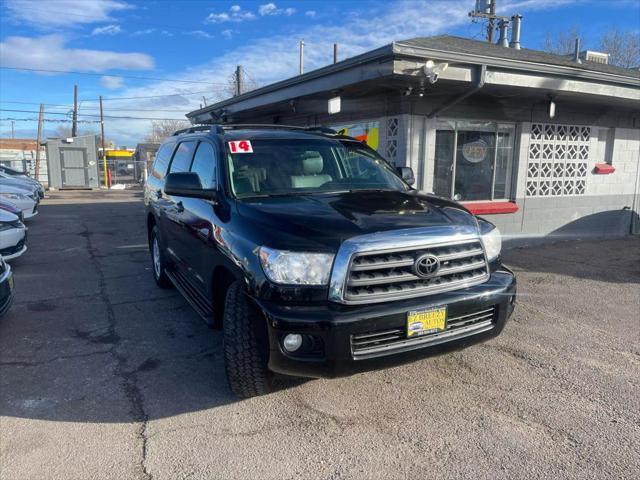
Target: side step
x: 198, y: 302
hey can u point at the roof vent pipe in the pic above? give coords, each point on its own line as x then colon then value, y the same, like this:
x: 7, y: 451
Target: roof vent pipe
x: 515, y: 31
x: 503, y: 41
x: 576, y: 53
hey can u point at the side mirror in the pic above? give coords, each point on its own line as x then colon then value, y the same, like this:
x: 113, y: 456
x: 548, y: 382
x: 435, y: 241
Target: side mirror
x: 407, y: 174
x: 187, y: 184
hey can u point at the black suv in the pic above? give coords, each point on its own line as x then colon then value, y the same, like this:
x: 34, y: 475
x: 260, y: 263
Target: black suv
x: 315, y: 256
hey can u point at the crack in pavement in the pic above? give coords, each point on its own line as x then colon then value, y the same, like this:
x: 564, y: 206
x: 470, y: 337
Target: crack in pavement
x: 129, y: 378
x: 23, y: 363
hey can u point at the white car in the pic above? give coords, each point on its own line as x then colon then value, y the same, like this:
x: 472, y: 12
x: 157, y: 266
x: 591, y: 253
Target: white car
x: 21, y: 179
x: 21, y: 197
x: 13, y: 236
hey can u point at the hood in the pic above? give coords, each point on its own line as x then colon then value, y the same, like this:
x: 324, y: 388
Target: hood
x: 7, y: 217
x: 326, y: 220
x: 15, y: 187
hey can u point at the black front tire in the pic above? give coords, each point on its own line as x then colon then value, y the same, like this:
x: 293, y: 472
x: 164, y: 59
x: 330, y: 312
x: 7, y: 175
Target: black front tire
x: 158, y: 263
x: 246, y: 347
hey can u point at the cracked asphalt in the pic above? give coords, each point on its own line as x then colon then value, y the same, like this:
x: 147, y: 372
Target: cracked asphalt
x: 104, y: 376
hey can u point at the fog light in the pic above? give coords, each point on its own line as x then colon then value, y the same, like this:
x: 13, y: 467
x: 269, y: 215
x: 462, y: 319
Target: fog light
x: 292, y: 342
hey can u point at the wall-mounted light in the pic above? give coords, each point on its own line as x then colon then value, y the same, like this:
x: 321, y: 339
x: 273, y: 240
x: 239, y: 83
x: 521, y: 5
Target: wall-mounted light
x: 334, y: 105
x: 552, y: 108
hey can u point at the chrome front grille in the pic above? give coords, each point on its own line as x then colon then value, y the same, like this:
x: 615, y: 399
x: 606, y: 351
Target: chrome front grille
x: 384, y: 275
x: 380, y: 341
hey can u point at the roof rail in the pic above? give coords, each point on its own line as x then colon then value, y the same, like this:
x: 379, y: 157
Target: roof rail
x: 238, y: 126
x: 220, y: 128
x: 199, y: 128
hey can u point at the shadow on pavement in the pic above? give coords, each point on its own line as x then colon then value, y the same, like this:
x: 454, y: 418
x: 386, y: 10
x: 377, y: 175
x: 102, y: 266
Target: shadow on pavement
x: 574, y: 250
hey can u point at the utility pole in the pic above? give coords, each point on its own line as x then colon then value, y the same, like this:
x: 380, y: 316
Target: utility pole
x: 74, y: 125
x: 39, y: 140
x: 491, y: 25
x: 13, y: 129
x: 104, y: 152
x: 239, y: 86
x: 486, y: 10
x: 301, y: 57
x: 335, y: 53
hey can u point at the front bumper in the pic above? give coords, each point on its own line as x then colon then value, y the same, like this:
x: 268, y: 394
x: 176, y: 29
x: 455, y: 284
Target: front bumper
x: 336, y: 325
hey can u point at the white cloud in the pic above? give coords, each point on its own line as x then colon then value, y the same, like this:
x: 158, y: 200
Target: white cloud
x: 228, y: 33
x: 112, y: 83
x: 147, y: 31
x: 63, y: 13
x: 236, y: 14
x: 310, y: 13
x: 267, y: 9
x: 272, y: 9
x: 200, y: 34
x: 107, y: 30
x: 50, y: 52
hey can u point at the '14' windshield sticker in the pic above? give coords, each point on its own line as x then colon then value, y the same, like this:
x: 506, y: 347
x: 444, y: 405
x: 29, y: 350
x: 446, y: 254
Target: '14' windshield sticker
x: 240, y: 146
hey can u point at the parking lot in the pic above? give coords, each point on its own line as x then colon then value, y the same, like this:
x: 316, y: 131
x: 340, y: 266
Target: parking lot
x: 103, y: 375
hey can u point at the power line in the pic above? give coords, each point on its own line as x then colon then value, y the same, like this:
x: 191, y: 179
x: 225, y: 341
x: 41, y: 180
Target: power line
x: 64, y: 105
x: 150, y: 96
x: 108, y: 75
x: 91, y: 115
x: 53, y: 120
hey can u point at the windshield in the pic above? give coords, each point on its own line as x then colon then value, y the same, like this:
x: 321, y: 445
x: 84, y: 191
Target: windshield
x: 281, y: 167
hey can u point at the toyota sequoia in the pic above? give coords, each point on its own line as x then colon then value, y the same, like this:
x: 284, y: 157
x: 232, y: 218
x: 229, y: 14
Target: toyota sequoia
x: 315, y: 256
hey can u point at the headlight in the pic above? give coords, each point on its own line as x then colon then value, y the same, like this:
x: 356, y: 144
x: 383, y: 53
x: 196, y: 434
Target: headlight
x: 12, y: 196
x: 492, y: 241
x: 296, y: 268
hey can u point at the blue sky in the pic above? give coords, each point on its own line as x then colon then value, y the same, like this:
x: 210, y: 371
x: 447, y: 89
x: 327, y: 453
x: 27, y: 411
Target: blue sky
x: 189, y: 49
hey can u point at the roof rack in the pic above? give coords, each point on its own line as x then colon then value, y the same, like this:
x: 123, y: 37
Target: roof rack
x: 220, y: 128
x: 199, y: 128
x: 238, y: 126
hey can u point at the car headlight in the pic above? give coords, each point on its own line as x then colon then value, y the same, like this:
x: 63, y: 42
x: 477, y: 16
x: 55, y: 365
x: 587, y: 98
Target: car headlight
x: 296, y: 268
x: 492, y: 241
x: 12, y: 196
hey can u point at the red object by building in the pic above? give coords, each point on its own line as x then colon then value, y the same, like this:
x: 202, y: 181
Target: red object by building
x: 491, y: 208
x: 603, y: 169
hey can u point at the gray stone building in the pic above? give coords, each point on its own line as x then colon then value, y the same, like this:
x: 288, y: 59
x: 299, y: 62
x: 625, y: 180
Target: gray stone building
x: 540, y: 144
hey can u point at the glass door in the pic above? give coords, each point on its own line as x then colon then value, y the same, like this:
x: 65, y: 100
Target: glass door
x: 475, y: 149
x: 473, y: 160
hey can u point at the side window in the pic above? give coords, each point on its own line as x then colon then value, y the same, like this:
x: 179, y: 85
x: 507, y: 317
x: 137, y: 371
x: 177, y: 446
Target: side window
x: 204, y: 164
x: 182, y: 158
x: 161, y: 162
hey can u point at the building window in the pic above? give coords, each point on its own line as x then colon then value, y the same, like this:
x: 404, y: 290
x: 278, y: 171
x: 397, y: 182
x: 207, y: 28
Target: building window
x: 473, y: 160
x: 558, y: 159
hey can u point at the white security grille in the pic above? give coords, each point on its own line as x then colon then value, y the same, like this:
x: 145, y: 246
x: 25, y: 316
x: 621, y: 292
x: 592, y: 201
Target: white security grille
x: 558, y: 160
x: 392, y: 138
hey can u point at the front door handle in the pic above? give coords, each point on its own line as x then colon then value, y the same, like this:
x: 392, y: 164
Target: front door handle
x: 179, y: 207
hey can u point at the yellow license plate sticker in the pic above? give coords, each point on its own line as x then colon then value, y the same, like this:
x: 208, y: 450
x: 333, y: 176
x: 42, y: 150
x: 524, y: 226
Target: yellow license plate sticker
x: 423, y: 322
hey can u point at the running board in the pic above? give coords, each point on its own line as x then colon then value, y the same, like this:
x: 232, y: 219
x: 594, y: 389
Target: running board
x: 192, y: 296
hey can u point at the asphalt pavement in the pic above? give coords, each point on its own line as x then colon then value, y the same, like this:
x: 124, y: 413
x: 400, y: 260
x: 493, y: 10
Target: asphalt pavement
x: 105, y: 376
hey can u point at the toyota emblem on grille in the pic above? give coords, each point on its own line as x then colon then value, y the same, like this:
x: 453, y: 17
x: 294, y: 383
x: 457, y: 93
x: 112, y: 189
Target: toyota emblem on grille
x: 426, y: 265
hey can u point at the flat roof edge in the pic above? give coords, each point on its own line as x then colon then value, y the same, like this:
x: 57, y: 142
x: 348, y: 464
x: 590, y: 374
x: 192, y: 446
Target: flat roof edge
x: 404, y: 49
